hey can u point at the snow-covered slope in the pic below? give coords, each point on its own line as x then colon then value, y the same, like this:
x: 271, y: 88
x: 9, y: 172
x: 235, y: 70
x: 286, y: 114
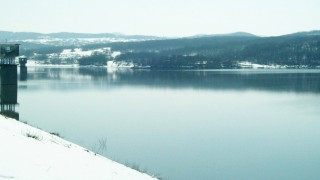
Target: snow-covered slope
x: 27, y: 153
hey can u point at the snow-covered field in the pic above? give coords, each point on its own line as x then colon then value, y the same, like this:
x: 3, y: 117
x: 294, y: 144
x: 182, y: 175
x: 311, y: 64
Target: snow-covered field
x: 28, y: 153
x: 246, y: 64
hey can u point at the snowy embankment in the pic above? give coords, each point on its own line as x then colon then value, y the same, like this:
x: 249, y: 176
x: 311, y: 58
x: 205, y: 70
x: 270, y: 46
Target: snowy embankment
x: 28, y: 153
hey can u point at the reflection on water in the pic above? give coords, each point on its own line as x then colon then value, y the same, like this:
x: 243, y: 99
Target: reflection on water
x: 23, y: 73
x: 8, y: 91
x: 9, y: 101
x: 236, y: 124
x: 276, y: 80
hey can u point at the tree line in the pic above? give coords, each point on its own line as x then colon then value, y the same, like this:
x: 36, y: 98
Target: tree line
x: 223, y: 52
x: 200, y: 52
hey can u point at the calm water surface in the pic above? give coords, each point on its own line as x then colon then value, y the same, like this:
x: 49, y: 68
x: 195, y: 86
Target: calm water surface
x: 185, y: 125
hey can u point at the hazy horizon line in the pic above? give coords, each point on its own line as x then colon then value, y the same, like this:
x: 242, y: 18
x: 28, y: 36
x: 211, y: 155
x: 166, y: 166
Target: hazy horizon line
x: 168, y: 36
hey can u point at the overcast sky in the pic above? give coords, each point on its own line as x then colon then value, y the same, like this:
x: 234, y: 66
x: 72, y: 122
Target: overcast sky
x: 161, y: 17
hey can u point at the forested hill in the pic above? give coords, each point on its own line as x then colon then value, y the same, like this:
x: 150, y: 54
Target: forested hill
x: 200, y: 51
x: 223, y: 51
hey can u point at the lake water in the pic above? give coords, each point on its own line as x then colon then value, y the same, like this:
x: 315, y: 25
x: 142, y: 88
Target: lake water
x: 184, y: 125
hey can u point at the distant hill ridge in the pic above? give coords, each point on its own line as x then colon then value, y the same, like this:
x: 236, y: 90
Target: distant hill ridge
x: 237, y: 34
x: 201, y: 51
x: 224, y: 51
x: 9, y: 35
x: 306, y: 33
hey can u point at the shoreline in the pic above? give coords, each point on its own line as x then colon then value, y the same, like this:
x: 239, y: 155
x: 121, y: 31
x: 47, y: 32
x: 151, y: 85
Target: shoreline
x: 30, y: 153
x: 241, y: 65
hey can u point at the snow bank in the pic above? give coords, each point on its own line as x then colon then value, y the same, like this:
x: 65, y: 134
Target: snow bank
x: 28, y: 153
x: 247, y: 64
